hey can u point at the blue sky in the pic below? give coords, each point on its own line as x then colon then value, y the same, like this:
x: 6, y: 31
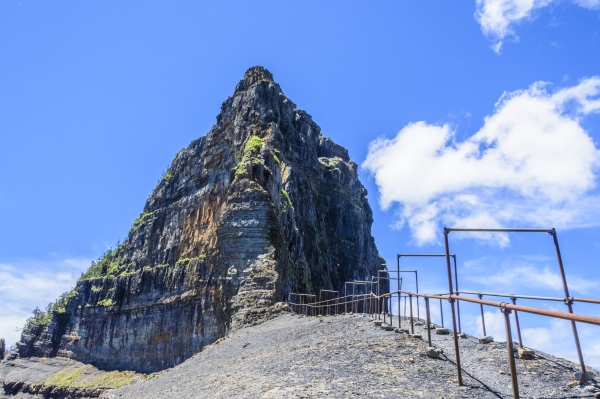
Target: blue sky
x: 97, y: 97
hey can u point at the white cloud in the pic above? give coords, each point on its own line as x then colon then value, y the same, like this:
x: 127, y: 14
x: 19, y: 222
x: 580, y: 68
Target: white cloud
x: 29, y: 284
x: 498, y: 17
x: 590, y: 4
x: 532, y: 163
x: 530, y: 276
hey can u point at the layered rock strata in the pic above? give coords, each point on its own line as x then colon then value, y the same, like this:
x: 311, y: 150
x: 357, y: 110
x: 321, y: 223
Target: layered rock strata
x: 261, y: 206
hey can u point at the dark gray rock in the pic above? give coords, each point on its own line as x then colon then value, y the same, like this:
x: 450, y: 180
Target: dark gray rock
x: 432, y: 353
x: 486, y: 340
x: 578, y: 375
x: 59, y: 377
x: 261, y: 206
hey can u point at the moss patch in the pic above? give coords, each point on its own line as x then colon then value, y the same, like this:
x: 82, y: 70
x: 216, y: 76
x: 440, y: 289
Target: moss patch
x: 77, y: 378
x: 106, y: 302
x: 275, y: 157
x: 65, y: 378
x: 253, y: 145
x: 140, y: 220
x: 187, y: 261
x: 113, y: 379
x: 250, y: 153
x: 286, y: 202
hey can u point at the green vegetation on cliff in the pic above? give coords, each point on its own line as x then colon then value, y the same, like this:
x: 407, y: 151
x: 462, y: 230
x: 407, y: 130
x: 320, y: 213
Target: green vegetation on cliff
x: 253, y: 145
x: 286, y: 202
x: 251, y: 150
x: 43, y: 317
x: 109, y: 264
x: 140, y: 221
x: 77, y: 378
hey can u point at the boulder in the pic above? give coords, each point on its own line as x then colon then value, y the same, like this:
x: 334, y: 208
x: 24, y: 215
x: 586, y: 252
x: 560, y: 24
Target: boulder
x: 525, y: 353
x: 577, y: 375
x: 432, y: 353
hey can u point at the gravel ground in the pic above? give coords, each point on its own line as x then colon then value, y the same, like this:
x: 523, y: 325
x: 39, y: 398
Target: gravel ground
x: 349, y: 356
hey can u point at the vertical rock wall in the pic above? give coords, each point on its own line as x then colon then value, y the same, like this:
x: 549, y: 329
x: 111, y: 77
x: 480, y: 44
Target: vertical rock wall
x: 261, y: 206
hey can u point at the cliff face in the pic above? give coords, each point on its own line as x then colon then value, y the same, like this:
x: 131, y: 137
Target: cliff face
x: 261, y: 206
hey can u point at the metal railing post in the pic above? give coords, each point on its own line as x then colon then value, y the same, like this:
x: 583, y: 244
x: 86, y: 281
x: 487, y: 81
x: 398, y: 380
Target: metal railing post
x: 456, y: 347
x: 442, y: 313
x: 482, y: 317
x: 399, y: 288
x: 412, y: 326
x: 345, y: 298
x: 514, y: 300
x: 511, y: 353
x: 320, y: 310
x: 377, y: 300
x: 428, y: 321
x: 383, y: 303
x: 456, y: 285
x: 417, y: 282
x: 569, y: 303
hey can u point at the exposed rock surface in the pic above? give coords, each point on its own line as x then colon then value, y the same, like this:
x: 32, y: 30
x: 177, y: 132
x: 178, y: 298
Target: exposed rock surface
x: 349, y: 357
x: 261, y: 206
x: 59, y: 378
x: 340, y: 357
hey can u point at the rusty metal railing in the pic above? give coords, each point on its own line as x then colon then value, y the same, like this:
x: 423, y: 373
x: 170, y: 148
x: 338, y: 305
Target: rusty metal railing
x: 514, y: 297
x: 504, y: 307
x: 453, y: 256
x: 568, y: 300
x: 376, y: 303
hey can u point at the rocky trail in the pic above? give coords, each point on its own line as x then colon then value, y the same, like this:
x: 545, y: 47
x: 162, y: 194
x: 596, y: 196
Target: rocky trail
x: 349, y: 356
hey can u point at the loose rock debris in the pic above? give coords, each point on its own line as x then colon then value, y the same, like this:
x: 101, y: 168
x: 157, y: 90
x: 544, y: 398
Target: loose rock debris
x: 291, y: 357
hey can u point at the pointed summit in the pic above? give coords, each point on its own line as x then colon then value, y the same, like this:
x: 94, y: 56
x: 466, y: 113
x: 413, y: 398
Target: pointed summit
x: 256, y: 73
x: 261, y: 206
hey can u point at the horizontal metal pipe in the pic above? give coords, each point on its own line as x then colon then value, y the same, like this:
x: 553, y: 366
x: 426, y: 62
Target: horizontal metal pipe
x: 325, y: 301
x: 423, y: 255
x: 587, y: 300
x: 542, y: 312
x: 526, y: 309
x: 544, y: 298
x: 501, y: 230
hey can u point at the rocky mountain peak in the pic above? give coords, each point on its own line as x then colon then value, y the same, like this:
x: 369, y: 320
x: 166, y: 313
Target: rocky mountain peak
x: 253, y: 75
x: 261, y: 206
